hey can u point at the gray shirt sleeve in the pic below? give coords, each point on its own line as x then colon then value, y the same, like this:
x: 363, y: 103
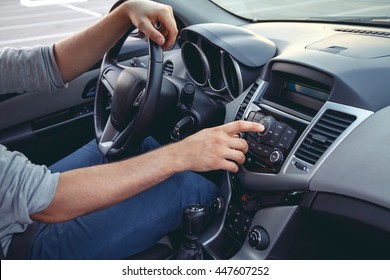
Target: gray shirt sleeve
x: 29, y: 70
x: 25, y: 188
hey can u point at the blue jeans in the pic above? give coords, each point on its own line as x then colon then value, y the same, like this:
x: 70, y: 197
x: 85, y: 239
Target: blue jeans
x: 126, y: 228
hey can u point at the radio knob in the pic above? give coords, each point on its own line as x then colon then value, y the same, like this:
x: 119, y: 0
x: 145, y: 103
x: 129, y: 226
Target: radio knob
x: 258, y: 238
x: 276, y: 157
x: 269, y: 128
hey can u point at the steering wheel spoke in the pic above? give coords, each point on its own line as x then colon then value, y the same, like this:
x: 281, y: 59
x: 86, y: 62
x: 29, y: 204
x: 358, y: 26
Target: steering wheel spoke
x: 134, y: 96
x: 111, y: 139
x: 110, y: 77
x: 108, y: 137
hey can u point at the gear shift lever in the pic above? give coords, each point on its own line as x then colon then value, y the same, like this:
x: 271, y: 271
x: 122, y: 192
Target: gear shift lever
x: 194, y: 220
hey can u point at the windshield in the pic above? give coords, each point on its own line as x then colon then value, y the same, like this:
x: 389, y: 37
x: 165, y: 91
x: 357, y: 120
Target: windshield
x: 364, y: 11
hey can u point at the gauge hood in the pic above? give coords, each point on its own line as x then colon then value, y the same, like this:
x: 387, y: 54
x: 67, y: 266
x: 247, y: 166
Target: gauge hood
x: 245, y: 46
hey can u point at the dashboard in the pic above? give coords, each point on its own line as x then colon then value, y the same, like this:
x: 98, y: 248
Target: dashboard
x: 323, y: 99
x: 315, y: 183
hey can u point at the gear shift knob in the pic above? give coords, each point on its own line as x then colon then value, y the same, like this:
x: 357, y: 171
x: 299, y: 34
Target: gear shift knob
x: 194, y: 220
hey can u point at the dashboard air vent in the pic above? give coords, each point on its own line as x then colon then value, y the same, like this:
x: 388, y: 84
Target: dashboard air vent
x: 168, y: 68
x: 246, y: 101
x: 364, y: 32
x: 323, y: 134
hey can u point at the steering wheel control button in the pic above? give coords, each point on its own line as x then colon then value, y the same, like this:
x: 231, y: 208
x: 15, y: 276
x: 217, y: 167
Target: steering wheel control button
x: 258, y: 238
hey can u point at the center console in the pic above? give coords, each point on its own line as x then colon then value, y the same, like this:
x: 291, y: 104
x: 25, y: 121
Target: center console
x: 273, y: 178
x: 292, y: 98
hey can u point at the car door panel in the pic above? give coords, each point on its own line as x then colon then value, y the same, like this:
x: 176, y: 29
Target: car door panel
x: 48, y: 126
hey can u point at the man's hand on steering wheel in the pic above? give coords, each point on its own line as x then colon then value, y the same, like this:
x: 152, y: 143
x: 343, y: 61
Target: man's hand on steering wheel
x: 156, y: 21
x: 133, y: 91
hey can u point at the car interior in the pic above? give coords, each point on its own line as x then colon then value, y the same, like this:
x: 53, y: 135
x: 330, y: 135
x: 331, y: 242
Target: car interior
x: 315, y: 183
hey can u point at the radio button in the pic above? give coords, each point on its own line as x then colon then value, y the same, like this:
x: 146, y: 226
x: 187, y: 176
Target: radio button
x: 286, y: 138
x: 280, y: 126
x: 251, y: 116
x: 258, y: 116
x: 260, y: 149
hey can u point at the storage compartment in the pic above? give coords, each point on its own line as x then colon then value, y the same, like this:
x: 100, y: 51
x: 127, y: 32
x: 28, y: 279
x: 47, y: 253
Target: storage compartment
x: 323, y: 234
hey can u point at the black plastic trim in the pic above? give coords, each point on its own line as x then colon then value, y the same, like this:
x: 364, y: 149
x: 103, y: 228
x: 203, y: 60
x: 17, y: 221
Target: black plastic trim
x: 354, y: 209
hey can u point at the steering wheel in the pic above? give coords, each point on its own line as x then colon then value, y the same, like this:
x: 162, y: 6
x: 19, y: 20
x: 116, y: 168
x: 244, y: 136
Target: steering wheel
x: 134, y: 95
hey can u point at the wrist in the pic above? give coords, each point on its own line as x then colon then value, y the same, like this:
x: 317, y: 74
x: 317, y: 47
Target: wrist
x: 121, y: 9
x: 117, y: 4
x: 176, y: 158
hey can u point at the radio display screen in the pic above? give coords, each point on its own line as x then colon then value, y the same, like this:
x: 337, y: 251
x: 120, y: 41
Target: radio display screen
x: 307, y: 91
x: 301, y: 90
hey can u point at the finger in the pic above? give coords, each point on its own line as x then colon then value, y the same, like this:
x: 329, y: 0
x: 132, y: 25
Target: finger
x: 235, y: 155
x: 163, y: 32
x: 150, y: 31
x: 229, y: 166
x: 238, y: 144
x: 242, y: 126
x: 169, y: 31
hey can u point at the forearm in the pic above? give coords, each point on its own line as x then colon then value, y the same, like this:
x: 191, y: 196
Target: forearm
x: 85, y: 190
x: 89, y: 189
x: 77, y: 53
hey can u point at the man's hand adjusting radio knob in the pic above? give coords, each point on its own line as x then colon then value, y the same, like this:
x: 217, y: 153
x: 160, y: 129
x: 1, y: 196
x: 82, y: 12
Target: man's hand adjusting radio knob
x: 269, y: 128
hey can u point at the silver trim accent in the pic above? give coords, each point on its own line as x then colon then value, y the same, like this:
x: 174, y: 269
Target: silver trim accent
x: 217, y: 227
x: 203, y: 60
x: 46, y: 128
x: 237, y: 72
x: 214, y: 89
x: 108, y: 136
x: 262, y: 86
x: 220, y: 72
x: 283, y: 114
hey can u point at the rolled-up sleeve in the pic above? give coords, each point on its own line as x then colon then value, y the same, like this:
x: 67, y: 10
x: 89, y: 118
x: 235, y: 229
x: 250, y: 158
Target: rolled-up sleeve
x: 25, y: 188
x: 29, y: 69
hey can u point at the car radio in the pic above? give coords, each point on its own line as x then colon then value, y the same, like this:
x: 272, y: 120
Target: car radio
x: 268, y: 149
